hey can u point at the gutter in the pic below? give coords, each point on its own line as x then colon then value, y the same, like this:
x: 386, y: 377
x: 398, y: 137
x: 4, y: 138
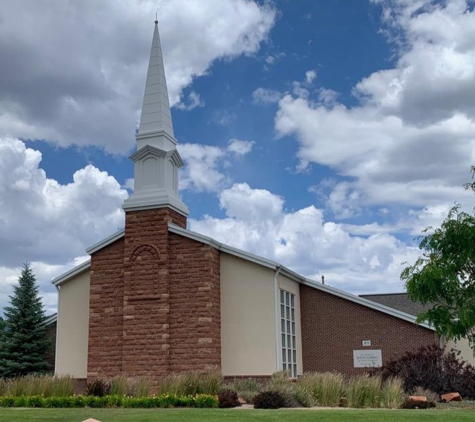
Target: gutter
x: 277, y: 319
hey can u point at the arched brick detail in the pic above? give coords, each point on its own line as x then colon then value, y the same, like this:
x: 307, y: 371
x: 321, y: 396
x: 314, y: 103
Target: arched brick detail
x: 144, y: 267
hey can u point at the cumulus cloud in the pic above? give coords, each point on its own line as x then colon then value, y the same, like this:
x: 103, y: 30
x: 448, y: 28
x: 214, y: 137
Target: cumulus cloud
x: 49, y: 224
x: 81, y: 64
x: 410, y: 140
x: 45, y: 221
x: 206, y: 165
x: 257, y: 221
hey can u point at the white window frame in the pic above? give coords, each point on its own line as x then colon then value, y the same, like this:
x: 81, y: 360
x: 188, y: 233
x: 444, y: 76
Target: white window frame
x: 288, y: 332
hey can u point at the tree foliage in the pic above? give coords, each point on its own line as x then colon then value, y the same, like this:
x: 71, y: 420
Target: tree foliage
x: 444, y: 276
x: 24, y: 343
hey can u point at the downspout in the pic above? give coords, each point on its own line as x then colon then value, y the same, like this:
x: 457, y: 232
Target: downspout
x: 277, y: 318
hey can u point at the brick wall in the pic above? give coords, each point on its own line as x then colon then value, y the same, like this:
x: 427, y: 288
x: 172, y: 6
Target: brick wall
x: 333, y: 327
x: 195, y: 313
x: 154, y: 305
x: 106, y: 311
x: 51, y: 353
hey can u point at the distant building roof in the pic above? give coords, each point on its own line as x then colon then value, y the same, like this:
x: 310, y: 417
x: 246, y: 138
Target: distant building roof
x: 399, y: 301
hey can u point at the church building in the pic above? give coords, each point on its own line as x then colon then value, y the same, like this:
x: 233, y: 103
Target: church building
x: 157, y: 298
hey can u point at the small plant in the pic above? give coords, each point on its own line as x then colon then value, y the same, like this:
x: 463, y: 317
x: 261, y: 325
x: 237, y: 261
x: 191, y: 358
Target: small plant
x: 141, y: 388
x: 248, y: 396
x: 228, y: 398
x: 326, y: 387
x: 392, y: 393
x: 98, y: 388
x: 363, y: 391
x: 205, y: 401
x: 269, y: 400
x: 119, y: 386
x: 303, y: 396
x: 431, y: 396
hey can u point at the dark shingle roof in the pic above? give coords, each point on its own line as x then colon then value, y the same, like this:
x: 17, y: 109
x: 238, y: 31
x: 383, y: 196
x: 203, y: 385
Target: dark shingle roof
x: 399, y: 301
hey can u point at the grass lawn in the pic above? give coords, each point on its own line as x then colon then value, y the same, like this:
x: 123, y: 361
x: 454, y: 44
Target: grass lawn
x: 234, y: 415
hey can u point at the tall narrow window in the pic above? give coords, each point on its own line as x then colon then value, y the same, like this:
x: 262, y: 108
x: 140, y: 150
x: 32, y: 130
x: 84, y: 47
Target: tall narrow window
x: 289, y: 341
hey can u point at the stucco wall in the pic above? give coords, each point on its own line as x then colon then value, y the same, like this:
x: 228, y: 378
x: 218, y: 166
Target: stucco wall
x: 247, y: 318
x: 466, y: 353
x: 73, y: 327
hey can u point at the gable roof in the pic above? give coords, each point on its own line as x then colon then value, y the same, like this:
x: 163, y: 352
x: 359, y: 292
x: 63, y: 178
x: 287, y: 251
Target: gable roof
x: 268, y: 263
x: 399, y: 301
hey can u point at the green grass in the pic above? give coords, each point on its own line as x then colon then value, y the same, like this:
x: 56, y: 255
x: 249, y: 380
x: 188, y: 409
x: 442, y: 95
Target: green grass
x: 233, y: 415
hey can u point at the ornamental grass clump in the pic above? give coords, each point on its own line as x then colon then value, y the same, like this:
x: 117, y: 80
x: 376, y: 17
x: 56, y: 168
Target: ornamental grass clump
x: 392, y: 393
x: 38, y: 385
x: 192, y: 383
x: 363, y: 391
x: 120, y: 386
x: 246, y: 388
x: 325, y: 387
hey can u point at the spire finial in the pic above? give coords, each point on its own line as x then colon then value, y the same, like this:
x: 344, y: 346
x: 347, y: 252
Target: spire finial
x: 156, y: 17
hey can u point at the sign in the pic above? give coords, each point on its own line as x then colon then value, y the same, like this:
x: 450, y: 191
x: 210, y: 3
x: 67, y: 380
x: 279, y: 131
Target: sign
x: 367, y: 358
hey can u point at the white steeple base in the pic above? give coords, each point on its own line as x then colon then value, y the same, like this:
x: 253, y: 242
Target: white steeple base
x: 150, y: 199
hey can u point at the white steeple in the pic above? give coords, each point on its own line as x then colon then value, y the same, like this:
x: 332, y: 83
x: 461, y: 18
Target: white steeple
x: 156, y: 161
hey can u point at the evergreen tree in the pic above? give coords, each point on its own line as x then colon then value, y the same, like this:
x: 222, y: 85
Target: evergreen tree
x: 24, y: 343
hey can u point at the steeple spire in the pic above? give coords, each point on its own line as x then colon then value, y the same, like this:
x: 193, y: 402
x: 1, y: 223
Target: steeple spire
x: 156, y: 127
x: 156, y: 161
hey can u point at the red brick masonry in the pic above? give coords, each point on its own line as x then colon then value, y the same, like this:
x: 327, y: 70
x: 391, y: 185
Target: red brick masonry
x: 333, y: 327
x: 155, y: 301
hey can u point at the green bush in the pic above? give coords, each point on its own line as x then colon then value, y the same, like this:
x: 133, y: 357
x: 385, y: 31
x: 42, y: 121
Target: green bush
x: 205, y: 401
x: 269, y: 400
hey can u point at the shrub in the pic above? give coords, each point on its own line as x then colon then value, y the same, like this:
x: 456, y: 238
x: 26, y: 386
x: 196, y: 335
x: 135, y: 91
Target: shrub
x: 431, y: 395
x: 281, y: 382
x: 363, y: 391
x: 303, y: 396
x: 228, y: 398
x: 248, y: 396
x: 269, y: 400
x: 119, y: 386
x: 392, y: 393
x: 408, y: 404
x: 205, y: 401
x: 192, y: 382
x: 431, y: 368
x: 98, y: 388
x: 246, y: 384
x: 326, y: 387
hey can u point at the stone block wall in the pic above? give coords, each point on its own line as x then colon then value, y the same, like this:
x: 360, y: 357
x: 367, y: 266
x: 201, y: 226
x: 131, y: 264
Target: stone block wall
x: 154, y: 304
x: 333, y: 327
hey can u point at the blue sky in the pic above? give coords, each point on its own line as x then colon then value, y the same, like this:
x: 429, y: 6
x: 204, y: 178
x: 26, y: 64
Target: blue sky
x: 322, y: 134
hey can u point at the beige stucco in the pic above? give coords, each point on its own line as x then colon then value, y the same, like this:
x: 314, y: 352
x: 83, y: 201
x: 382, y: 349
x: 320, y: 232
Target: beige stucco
x: 247, y: 317
x: 466, y: 353
x: 73, y: 327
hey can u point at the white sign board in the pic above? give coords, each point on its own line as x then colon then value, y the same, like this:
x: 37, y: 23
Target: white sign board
x: 367, y: 359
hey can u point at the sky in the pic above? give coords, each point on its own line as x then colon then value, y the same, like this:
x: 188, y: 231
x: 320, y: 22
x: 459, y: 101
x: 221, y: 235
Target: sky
x: 325, y: 135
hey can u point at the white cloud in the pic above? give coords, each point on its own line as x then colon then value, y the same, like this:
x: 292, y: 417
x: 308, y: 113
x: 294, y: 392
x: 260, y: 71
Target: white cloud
x: 42, y: 220
x: 240, y: 147
x: 206, y: 165
x: 410, y: 141
x: 193, y: 100
x: 264, y: 96
x: 310, y: 76
x: 82, y: 64
x: 46, y: 223
x: 257, y: 221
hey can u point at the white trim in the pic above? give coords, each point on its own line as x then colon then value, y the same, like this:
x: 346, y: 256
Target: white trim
x: 71, y: 273
x: 294, y: 276
x: 104, y: 242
